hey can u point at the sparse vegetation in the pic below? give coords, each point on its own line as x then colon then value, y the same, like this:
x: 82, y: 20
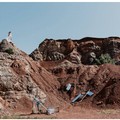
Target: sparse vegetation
x: 10, y: 117
x: 9, y: 51
x: 104, y: 58
x: 109, y: 111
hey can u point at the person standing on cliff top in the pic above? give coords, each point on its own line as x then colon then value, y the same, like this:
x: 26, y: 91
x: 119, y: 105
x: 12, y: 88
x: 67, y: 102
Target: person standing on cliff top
x: 9, y: 38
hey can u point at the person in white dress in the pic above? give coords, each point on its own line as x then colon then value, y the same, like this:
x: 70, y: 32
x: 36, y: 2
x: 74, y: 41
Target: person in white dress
x: 9, y: 38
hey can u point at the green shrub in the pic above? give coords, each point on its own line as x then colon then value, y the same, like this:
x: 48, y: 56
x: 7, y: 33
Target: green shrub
x: 104, y: 58
x: 9, y: 51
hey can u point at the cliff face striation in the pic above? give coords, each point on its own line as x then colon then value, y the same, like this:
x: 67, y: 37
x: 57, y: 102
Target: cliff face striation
x: 77, y: 51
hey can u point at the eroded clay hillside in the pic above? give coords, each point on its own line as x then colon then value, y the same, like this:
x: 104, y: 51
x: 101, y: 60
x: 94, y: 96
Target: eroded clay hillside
x: 21, y: 79
x: 86, y: 64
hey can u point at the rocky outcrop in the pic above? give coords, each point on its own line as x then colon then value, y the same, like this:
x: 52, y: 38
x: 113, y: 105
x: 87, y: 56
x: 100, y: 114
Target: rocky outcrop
x: 54, y: 56
x: 8, y: 47
x: 74, y: 57
x: 16, y: 82
x: 54, y: 64
x: 99, y: 46
x: 21, y: 79
x: 83, y: 47
x: 36, y: 55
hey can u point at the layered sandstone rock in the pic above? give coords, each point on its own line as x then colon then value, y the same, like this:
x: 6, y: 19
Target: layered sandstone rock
x: 84, y: 47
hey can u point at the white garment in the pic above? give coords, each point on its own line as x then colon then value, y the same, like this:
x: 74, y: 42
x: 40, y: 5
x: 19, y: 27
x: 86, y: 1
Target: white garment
x: 68, y: 86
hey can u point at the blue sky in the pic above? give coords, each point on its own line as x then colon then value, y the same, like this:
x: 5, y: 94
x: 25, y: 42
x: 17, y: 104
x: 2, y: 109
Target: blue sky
x: 31, y: 23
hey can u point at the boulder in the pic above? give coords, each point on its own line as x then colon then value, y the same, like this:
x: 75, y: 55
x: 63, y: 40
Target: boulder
x: 74, y: 57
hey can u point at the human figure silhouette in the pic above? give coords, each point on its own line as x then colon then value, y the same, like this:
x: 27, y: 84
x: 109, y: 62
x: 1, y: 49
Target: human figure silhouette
x: 9, y: 38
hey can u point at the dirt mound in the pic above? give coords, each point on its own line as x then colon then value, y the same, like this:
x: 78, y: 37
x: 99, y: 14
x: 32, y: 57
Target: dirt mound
x: 106, y: 85
x: 102, y: 80
x: 21, y: 79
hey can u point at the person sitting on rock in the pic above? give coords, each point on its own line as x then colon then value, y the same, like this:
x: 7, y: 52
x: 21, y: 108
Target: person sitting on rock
x: 9, y: 38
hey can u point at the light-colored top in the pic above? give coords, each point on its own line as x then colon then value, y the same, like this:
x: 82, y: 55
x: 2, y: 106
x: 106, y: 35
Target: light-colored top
x: 68, y: 86
x: 9, y: 38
